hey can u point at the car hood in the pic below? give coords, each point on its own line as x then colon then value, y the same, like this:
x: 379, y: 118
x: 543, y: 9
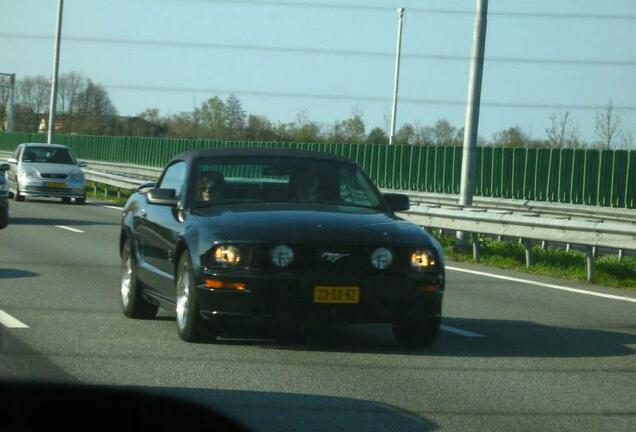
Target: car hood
x: 51, y: 168
x: 306, y: 224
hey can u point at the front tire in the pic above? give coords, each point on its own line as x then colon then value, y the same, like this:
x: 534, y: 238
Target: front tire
x: 80, y: 201
x: 416, y: 332
x: 191, y: 327
x: 133, y: 305
x: 17, y: 196
x: 66, y: 200
x: 4, y: 218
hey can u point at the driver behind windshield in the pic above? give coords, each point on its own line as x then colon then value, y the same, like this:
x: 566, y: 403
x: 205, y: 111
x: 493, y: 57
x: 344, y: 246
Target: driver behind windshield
x: 210, y: 186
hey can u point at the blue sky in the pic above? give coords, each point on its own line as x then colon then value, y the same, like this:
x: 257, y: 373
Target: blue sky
x: 357, y: 67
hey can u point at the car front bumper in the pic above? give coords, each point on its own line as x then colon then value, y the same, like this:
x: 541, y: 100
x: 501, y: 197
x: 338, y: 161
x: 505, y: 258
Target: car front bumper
x: 53, y: 188
x: 290, y: 298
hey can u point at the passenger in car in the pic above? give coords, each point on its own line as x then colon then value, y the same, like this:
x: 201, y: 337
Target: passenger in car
x: 304, y: 186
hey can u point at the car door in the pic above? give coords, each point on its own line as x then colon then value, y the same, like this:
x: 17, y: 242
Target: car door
x: 158, y: 229
x: 12, y: 174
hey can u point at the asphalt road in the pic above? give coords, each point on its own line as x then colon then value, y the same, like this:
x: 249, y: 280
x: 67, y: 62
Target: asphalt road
x: 513, y: 356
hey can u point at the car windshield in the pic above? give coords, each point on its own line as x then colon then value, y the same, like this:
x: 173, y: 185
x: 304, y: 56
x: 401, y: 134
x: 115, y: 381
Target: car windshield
x: 54, y: 155
x: 281, y: 180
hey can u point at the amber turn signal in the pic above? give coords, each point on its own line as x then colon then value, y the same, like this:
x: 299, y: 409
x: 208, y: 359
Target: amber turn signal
x: 217, y: 284
x: 428, y: 288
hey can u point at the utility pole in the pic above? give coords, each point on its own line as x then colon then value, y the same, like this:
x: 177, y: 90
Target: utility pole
x: 396, y: 78
x: 467, y: 185
x: 11, y: 108
x: 469, y: 153
x: 11, y: 102
x: 56, y: 67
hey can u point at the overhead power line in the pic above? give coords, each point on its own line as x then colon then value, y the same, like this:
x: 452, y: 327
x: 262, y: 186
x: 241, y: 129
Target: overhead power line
x: 460, y: 12
x: 322, y: 51
x: 344, y: 97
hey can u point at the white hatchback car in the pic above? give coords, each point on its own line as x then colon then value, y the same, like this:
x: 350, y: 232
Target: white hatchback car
x: 46, y: 170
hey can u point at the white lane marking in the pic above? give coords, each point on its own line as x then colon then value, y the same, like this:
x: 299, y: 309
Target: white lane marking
x: 545, y: 285
x: 460, y: 332
x: 113, y: 207
x: 64, y: 227
x: 11, y: 322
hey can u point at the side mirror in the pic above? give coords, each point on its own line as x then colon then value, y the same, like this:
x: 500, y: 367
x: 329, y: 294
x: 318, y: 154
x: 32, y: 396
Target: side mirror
x: 397, y: 202
x: 82, y: 164
x: 4, y: 167
x: 12, y: 160
x: 167, y: 197
x: 146, y: 186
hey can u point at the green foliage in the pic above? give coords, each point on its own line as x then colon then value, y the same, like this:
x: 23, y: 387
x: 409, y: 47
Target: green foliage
x: 555, y: 262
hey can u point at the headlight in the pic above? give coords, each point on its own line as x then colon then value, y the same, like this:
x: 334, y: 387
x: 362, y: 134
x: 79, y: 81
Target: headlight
x: 381, y: 258
x: 281, y: 255
x: 227, y: 254
x: 78, y: 176
x: 423, y: 259
x: 29, y: 173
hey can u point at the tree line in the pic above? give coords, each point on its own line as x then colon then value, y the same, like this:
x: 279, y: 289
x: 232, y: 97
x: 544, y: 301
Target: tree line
x: 85, y: 107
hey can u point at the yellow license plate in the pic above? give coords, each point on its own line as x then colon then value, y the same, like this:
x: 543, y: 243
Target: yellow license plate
x: 336, y: 294
x: 55, y: 184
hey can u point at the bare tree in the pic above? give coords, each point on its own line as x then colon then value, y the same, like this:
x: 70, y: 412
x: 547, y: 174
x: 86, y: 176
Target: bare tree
x: 608, y: 125
x: 627, y: 140
x: 70, y: 86
x: 562, y: 132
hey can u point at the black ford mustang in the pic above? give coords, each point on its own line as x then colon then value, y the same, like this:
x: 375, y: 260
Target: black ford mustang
x: 260, y: 236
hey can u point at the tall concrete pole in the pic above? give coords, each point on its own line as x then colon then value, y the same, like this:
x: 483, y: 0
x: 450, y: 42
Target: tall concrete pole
x: 56, y: 67
x: 396, y: 78
x: 467, y: 185
x: 10, y: 108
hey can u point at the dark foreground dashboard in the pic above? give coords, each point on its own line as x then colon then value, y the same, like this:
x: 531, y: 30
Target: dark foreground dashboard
x: 36, y: 406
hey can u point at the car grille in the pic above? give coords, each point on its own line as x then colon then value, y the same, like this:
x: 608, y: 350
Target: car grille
x: 53, y: 176
x: 331, y: 259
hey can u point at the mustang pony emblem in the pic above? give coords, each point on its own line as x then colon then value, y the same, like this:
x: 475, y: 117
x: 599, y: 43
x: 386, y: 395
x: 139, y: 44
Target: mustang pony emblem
x: 332, y: 257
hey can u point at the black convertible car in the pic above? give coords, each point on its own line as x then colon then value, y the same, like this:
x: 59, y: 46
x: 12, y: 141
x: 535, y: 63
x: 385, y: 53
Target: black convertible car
x: 269, y: 236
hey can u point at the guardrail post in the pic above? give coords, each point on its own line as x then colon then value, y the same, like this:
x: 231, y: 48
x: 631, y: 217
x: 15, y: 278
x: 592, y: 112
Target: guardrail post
x: 594, y: 251
x: 527, y: 246
x: 475, y: 247
x: 544, y: 244
x: 567, y: 247
x: 94, y: 190
x: 105, y: 191
x: 620, y: 254
x: 590, y: 265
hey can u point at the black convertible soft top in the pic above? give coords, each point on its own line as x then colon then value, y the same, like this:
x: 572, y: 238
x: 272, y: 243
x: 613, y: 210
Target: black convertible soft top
x: 258, y: 152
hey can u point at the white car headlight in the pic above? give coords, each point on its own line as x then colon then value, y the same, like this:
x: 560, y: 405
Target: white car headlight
x: 381, y: 258
x: 423, y: 259
x: 227, y: 254
x: 281, y: 255
x: 28, y: 173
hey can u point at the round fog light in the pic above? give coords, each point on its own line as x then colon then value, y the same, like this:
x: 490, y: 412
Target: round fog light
x: 381, y: 258
x: 281, y: 255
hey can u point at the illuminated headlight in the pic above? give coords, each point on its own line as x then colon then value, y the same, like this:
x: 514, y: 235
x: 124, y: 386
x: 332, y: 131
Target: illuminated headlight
x: 227, y: 254
x: 281, y: 255
x: 381, y: 258
x: 77, y: 176
x: 29, y: 173
x: 423, y: 259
